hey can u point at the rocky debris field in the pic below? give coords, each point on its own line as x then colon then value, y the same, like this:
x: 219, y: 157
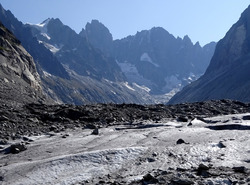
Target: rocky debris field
x: 203, y: 175
x: 197, y: 143
x: 36, y: 119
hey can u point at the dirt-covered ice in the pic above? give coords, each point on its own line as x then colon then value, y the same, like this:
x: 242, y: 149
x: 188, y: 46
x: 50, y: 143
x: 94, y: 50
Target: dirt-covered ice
x: 130, y: 153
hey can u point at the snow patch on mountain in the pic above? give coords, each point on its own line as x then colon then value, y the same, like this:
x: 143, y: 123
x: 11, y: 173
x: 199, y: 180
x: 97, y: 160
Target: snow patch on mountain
x: 133, y: 75
x: 46, y: 36
x: 164, y: 98
x: 128, y: 68
x: 140, y: 84
x: 42, y: 27
x: 191, y: 78
x: 144, y: 88
x: 129, y: 87
x: 53, y: 48
x: 44, y: 23
x: 172, y: 82
x: 46, y: 74
x: 46, y: 39
x: 146, y: 58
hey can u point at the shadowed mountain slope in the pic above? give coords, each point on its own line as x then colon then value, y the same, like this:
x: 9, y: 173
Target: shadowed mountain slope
x: 227, y: 75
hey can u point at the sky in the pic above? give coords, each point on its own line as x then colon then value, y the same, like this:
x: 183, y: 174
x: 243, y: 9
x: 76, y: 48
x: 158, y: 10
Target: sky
x: 201, y: 20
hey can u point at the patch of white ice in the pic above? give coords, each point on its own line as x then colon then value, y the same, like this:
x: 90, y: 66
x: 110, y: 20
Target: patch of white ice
x: 46, y: 74
x: 42, y: 27
x: 127, y: 85
x: 72, y: 169
x: 46, y: 36
x: 133, y: 75
x: 172, y: 82
x: 142, y: 87
x: 53, y: 48
x: 145, y: 57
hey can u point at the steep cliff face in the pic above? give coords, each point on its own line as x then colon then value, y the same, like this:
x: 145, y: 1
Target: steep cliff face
x: 20, y: 82
x: 233, y: 46
x: 227, y: 75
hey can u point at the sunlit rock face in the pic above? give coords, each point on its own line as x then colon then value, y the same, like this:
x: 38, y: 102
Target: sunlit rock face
x: 19, y: 79
x: 227, y: 75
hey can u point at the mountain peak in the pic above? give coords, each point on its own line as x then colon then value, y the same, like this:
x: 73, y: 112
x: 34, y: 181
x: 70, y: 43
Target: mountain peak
x: 96, y: 25
x: 1, y: 8
x: 186, y: 39
x: 46, y: 21
x: 95, y: 22
x: 99, y: 36
x: 197, y: 44
x: 55, y: 20
x: 41, y: 26
x: 246, y: 12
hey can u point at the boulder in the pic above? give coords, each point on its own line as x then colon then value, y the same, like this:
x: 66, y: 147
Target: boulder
x: 16, y: 148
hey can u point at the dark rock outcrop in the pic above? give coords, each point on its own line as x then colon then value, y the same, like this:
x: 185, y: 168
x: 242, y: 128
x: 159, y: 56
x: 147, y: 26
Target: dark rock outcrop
x: 209, y: 175
x: 227, y: 76
x: 16, y: 148
x: 180, y: 141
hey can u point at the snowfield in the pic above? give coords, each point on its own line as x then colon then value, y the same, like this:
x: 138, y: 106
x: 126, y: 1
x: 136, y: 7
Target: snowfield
x: 77, y: 155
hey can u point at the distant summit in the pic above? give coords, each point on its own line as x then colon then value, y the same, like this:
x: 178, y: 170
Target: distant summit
x: 99, y: 36
x: 227, y: 76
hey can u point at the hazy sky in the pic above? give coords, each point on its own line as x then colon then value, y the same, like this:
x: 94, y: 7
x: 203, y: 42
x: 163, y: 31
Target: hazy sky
x: 201, y: 20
